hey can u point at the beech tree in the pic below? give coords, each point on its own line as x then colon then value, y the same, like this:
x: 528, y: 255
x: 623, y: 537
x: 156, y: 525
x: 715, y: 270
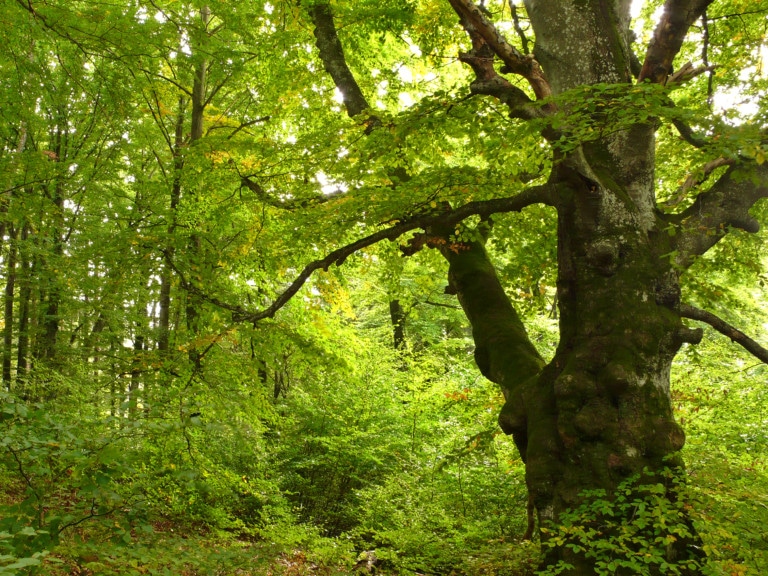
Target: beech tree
x: 237, y: 167
x: 599, y: 411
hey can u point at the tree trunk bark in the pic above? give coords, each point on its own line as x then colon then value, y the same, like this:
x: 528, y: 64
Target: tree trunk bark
x: 600, y: 411
x: 194, y: 247
x: 166, y: 277
x: 397, y: 317
x: 25, y: 297
x: 10, y: 283
x: 53, y: 290
x: 136, y: 380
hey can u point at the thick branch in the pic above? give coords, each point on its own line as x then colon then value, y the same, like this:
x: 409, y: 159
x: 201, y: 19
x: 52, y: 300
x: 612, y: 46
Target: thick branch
x: 503, y: 351
x: 736, y: 335
x: 503, y: 348
x: 334, y: 61
x: 477, y: 25
x: 687, y: 134
x: 726, y: 204
x: 543, y: 194
x: 668, y: 37
x: 518, y: 102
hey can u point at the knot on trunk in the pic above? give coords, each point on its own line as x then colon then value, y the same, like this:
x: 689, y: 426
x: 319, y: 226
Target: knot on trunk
x: 668, y: 437
x: 687, y: 335
x: 575, y: 388
x: 595, y: 419
x: 603, y: 256
x: 667, y: 291
x: 616, y: 379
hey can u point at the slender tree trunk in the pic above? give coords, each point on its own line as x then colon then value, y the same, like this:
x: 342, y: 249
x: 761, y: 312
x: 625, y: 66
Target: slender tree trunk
x: 199, y: 103
x: 25, y: 297
x: 10, y: 283
x: 397, y: 317
x: 166, y: 278
x: 51, y: 321
x: 136, y: 380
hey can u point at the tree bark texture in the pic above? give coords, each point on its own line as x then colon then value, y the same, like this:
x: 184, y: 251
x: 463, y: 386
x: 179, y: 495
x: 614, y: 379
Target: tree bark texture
x: 194, y: 247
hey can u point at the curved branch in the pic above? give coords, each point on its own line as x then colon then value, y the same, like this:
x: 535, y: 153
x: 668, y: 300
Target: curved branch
x: 668, y: 37
x: 518, y: 102
x: 479, y: 28
x: 736, y: 335
x: 725, y: 205
x: 543, y: 194
x: 687, y: 134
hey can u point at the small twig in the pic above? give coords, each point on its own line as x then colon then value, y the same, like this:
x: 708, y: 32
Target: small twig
x: 28, y: 481
x: 454, y: 306
x: 91, y: 514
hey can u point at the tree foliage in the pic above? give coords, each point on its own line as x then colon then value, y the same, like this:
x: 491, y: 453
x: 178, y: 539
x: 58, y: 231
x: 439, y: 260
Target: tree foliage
x: 232, y: 235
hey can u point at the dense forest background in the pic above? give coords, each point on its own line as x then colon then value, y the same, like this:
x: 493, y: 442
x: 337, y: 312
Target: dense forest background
x: 169, y: 167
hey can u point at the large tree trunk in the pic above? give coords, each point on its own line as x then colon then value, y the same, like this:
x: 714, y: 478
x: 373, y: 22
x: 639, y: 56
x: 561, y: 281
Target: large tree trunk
x: 599, y: 414
x: 194, y: 302
x: 600, y: 411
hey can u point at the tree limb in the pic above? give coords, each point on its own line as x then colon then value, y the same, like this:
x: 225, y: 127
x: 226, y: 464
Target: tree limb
x: 668, y: 37
x: 334, y: 61
x: 686, y: 73
x: 687, y: 134
x: 697, y: 178
x: 471, y: 273
x: 736, y: 335
x: 518, y: 102
x: 726, y: 204
x: 543, y: 194
x: 479, y: 28
x: 518, y: 28
x: 481, y: 60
